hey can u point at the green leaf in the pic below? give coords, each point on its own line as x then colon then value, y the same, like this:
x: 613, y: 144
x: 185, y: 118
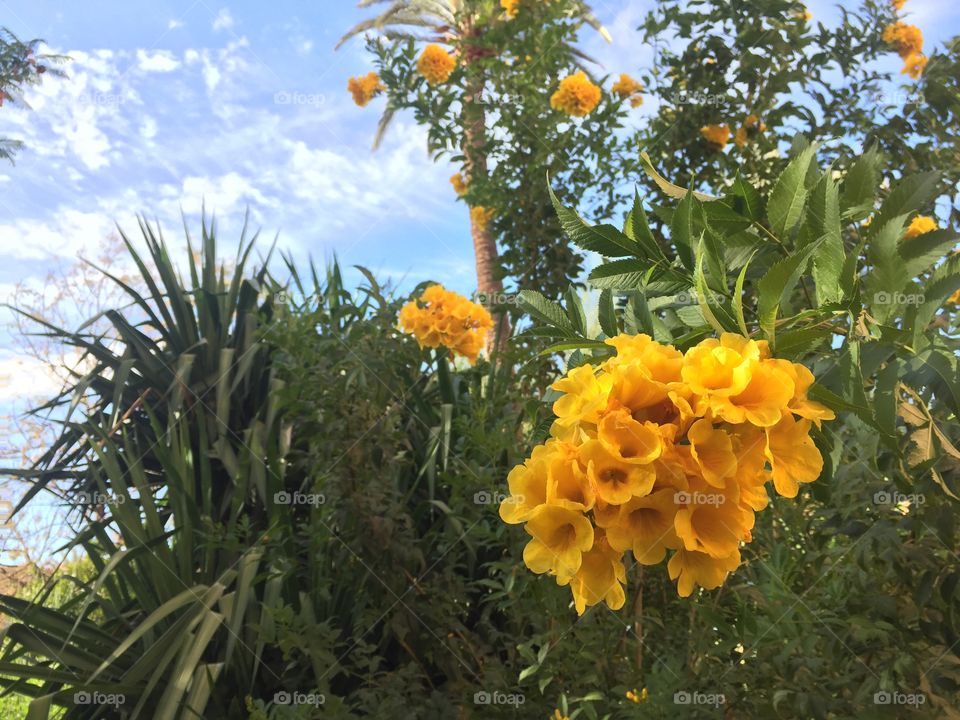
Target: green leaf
x: 752, y: 205
x: 607, y: 314
x: 909, y: 195
x: 603, y: 239
x: 774, y: 287
x: 620, y: 275
x: 536, y: 305
x: 824, y: 214
x: 921, y: 252
x: 639, y: 231
x: 575, y: 311
x: 789, y: 194
x: 704, y: 294
x: 738, y: 298
x: 861, y: 184
x: 681, y: 231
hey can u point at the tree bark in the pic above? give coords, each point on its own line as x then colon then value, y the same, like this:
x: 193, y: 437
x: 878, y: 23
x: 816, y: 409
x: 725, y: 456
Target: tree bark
x: 486, y: 255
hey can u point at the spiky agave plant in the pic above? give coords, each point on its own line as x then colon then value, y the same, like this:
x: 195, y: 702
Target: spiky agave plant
x: 169, y: 465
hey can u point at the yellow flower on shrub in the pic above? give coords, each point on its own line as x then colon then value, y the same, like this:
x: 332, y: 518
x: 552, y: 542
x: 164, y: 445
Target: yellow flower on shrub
x: 444, y: 318
x: 717, y: 136
x: 654, y: 451
x: 914, y: 65
x: 627, y: 87
x: 459, y: 184
x: 634, y: 696
x: 576, y: 96
x: 510, y: 7
x: 919, y: 225
x: 365, y: 88
x: 435, y: 64
x: 906, y: 39
x: 481, y: 217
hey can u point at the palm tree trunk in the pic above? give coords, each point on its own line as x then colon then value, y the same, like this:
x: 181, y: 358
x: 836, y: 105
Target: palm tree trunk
x: 486, y: 255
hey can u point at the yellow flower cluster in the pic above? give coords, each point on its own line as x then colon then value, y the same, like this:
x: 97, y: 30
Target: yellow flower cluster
x: 750, y: 127
x: 459, y: 184
x: 444, y: 318
x: 576, y: 96
x: 716, y: 136
x: 510, y: 7
x: 435, y: 64
x: 908, y: 42
x: 898, y: 4
x: 919, y: 225
x: 657, y: 450
x: 481, y: 217
x: 365, y: 88
x: 627, y: 87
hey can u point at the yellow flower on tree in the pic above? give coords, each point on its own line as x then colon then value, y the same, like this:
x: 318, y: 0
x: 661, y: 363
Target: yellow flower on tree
x: 614, y: 480
x: 481, y: 217
x: 906, y: 39
x: 510, y: 7
x: 716, y: 136
x: 459, y: 184
x: 690, y: 568
x: 711, y: 520
x: 645, y: 526
x: 436, y: 64
x: 712, y: 449
x: 626, y: 87
x: 793, y: 457
x: 914, y: 65
x: 919, y: 225
x: 560, y: 537
x: 898, y: 4
x: 444, y: 318
x: 656, y: 451
x: 599, y: 577
x: 365, y: 88
x: 576, y: 96
x: 528, y: 486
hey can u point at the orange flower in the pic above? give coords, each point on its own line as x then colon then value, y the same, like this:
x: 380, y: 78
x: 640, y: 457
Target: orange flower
x: 436, y: 64
x: 576, y: 96
x: 907, y: 39
x: 716, y: 136
x: 365, y: 88
x: 914, y: 65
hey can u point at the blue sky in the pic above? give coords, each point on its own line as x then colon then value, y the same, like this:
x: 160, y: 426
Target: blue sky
x: 169, y: 104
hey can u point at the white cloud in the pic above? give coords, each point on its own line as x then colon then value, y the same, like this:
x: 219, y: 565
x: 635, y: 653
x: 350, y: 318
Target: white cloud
x: 174, y: 24
x: 159, y: 61
x: 223, y: 20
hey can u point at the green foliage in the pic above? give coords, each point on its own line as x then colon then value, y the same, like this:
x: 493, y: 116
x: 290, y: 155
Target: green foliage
x: 20, y: 66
